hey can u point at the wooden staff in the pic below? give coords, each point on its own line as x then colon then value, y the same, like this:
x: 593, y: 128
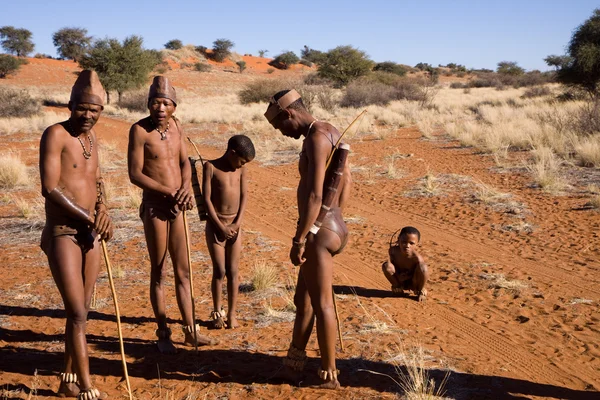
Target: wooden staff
x: 114, y: 294
x: 189, y: 256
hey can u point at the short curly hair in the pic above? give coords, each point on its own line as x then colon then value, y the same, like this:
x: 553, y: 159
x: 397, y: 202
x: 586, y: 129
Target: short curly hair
x: 242, y: 145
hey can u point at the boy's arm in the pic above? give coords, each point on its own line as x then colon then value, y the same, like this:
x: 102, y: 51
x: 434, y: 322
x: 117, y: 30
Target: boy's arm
x: 51, y: 147
x: 184, y: 195
x: 243, y: 200
x: 135, y: 164
x: 207, y: 175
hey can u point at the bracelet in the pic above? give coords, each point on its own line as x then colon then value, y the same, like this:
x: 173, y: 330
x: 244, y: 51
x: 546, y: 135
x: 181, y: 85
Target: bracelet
x: 298, y: 243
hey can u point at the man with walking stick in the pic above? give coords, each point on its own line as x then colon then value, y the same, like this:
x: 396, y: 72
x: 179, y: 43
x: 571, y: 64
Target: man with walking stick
x: 76, y: 221
x: 158, y: 163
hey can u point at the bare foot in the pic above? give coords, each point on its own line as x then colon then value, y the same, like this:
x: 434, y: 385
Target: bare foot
x: 217, y: 320
x: 68, y: 389
x: 92, y: 394
x: 398, y: 291
x: 203, y: 340
x: 165, y: 346
x: 422, y: 296
x: 332, y: 384
x: 232, y: 322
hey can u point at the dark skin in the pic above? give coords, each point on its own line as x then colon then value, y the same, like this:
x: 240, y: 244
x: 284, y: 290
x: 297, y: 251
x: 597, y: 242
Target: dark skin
x: 63, y: 166
x: 160, y: 167
x: 405, y: 268
x: 313, y: 298
x: 224, y: 189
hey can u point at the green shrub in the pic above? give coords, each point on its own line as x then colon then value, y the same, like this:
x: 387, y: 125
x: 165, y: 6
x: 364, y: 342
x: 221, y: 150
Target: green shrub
x: 241, y: 65
x: 284, y: 60
x: 8, y: 65
x: 201, y: 49
x: 270, y: 70
x: 221, y: 49
x: 391, y: 67
x: 174, y: 44
x: 344, y: 64
x: 18, y: 104
x: 381, y: 88
x: 262, y: 90
x: 312, y: 55
x: 202, y: 67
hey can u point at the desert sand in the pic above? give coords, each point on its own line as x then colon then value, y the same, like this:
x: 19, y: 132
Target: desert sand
x: 512, y: 310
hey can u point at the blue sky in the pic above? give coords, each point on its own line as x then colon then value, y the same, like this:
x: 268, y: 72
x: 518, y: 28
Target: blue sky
x: 478, y: 34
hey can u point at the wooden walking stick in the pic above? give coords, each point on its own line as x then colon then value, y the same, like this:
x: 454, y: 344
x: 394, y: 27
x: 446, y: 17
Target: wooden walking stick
x: 189, y: 256
x: 114, y: 294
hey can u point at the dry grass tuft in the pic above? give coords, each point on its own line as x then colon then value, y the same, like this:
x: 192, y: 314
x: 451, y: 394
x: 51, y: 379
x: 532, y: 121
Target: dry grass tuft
x: 499, y: 281
x: 264, y: 276
x: 488, y: 194
x: 13, y: 172
x: 29, y: 208
x: 430, y: 183
x: 133, y: 199
x: 545, y: 170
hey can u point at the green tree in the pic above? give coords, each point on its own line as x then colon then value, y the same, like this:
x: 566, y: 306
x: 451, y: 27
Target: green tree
x: 16, y: 41
x: 391, y: 67
x: 121, y: 66
x: 221, y: 49
x: 241, y: 65
x: 284, y: 60
x: 71, y: 43
x: 174, y: 44
x: 558, y: 62
x: 261, y: 53
x: 8, y: 65
x: 583, y: 69
x: 509, y: 68
x: 343, y: 64
x: 312, y: 55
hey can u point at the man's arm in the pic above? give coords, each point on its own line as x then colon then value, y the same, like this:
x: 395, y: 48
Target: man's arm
x: 317, y: 150
x: 184, y: 195
x: 135, y: 164
x: 102, y: 223
x: 51, y: 147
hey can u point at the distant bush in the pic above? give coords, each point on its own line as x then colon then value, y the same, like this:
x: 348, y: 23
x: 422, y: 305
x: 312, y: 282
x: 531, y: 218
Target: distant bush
x: 270, y: 70
x: 135, y: 101
x: 17, y: 104
x: 202, y: 67
x: 390, y: 66
x: 262, y: 90
x: 536, y: 91
x: 458, y: 85
x: 312, y: 55
x: 42, y: 56
x: 221, y: 49
x: 509, y: 68
x: 382, y: 88
x: 261, y: 53
x: 241, y: 65
x: 344, y: 64
x: 305, y: 62
x: 174, y: 44
x: 201, y: 49
x: 284, y: 60
x: 315, y: 79
x: 321, y: 95
x: 8, y: 65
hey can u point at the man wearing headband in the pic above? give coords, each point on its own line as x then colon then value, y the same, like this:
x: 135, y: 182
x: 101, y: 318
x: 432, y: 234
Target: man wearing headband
x: 76, y: 218
x: 158, y: 163
x: 313, y: 252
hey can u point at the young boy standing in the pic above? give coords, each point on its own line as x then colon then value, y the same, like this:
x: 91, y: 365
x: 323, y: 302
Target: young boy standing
x: 405, y: 268
x: 224, y: 187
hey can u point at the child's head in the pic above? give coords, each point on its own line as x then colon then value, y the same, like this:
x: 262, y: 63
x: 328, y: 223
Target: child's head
x: 241, y: 150
x: 409, y: 239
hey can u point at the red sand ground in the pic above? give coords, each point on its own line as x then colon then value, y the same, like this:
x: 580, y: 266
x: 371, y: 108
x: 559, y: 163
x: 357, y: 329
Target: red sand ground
x: 540, y: 341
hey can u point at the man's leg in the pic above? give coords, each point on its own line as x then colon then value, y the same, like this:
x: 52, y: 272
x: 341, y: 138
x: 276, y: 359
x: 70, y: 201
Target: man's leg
x: 232, y: 262
x: 318, y: 276
x: 179, y: 257
x: 65, y: 259
x: 217, y: 255
x: 157, y: 235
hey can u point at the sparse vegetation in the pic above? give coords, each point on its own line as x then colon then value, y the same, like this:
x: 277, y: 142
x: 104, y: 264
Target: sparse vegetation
x: 202, y: 67
x: 264, y: 275
x: 241, y: 65
x: 174, y: 44
x: 16, y: 41
x: 8, y: 65
x: 17, y: 104
x: 344, y: 64
x: 13, y: 172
